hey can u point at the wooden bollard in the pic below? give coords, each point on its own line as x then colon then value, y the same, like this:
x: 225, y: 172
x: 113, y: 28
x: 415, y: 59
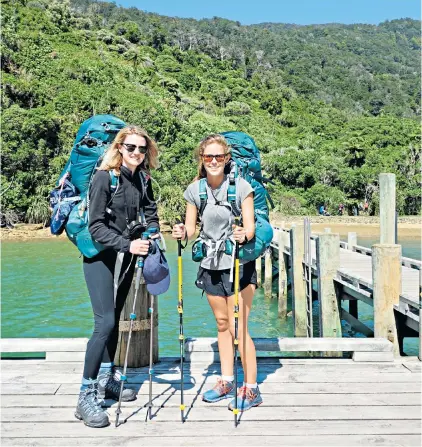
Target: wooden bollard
x: 328, y: 262
x: 297, y: 248
x: 282, y: 275
x: 258, y: 263
x: 387, y: 184
x: 386, y: 286
x: 140, y: 339
x: 268, y: 274
x: 352, y: 242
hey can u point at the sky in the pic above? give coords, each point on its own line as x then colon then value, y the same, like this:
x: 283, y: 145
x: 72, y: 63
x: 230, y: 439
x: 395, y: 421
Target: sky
x: 301, y: 12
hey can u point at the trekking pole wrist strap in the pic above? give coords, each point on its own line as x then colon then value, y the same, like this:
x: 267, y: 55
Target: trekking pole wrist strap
x: 245, y: 241
x: 186, y: 240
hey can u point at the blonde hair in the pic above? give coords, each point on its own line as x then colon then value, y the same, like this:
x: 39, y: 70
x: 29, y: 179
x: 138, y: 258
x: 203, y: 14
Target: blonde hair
x: 199, y: 151
x: 113, y: 158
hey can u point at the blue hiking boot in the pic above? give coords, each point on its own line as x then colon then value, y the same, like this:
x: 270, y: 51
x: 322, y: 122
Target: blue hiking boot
x: 222, y: 390
x: 246, y: 399
x: 89, y: 408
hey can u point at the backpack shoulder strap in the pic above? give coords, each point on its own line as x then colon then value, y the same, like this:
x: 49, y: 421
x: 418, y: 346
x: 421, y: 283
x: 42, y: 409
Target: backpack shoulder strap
x: 114, y: 186
x: 203, y: 196
x: 232, y: 192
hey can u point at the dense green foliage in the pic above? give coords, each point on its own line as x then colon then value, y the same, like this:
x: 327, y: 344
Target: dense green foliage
x: 330, y: 106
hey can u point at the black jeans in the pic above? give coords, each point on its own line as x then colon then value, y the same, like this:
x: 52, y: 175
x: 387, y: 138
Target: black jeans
x: 99, y: 277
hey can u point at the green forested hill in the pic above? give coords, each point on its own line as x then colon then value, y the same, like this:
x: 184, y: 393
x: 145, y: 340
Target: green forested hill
x: 330, y: 106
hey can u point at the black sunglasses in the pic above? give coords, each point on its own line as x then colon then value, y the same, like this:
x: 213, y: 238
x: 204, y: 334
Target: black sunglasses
x: 131, y: 148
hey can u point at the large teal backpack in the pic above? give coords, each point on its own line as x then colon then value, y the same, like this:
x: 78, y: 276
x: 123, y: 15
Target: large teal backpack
x: 246, y: 163
x: 93, y: 138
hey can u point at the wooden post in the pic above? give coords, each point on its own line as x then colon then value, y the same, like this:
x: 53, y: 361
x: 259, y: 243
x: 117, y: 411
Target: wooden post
x: 328, y: 262
x: 268, y: 274
x: 386, y: 286
x: 352, y: 240
x: 259, y: 271
x: 297, y: 248
x: 387, y: 184
x: 282, y: 275
x: 139, y: 343
x: 396, y: 231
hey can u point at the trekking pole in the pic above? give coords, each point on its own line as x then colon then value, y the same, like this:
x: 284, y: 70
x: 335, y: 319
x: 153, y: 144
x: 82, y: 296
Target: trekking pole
x: 180, y: 310
x: 236, y: 321
x: 123, y: 377
x: 151, y: 342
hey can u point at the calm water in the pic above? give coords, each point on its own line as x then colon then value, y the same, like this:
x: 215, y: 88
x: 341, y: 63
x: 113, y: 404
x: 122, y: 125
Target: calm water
x: 44, y: 295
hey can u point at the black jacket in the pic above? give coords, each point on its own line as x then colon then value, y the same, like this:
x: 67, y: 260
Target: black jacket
x: 107, y: 228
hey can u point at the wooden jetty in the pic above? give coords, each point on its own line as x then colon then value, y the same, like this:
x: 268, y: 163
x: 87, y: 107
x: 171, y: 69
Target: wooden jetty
x: 307, y: 402
x: 353, y: 277
x: 333, y: 272
x: 357, y: 392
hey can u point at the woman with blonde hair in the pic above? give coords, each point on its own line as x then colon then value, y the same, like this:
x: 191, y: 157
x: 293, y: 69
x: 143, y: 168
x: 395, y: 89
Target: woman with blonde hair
x: 113, y: 219
x: 215, y: 275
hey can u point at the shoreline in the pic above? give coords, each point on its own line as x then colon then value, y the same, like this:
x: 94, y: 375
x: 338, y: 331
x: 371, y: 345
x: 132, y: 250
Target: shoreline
x: 408, y: 227
x: 364, y: 226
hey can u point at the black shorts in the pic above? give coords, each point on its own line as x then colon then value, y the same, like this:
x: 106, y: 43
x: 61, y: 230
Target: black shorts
x: 217, y: 282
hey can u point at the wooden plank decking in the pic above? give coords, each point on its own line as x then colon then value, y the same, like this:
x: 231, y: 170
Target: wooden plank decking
x: 307, y: 402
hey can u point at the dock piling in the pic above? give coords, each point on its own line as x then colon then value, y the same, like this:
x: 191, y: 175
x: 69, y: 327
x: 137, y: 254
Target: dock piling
x: 387, y: 184
x: 282, y: 274
x: 140, y: 342
x: 268, y: 274
x: 328, y: 262
x: 352, y: 240
x: 386, y: 277
x: 297, y: 249
x: 259, y: 271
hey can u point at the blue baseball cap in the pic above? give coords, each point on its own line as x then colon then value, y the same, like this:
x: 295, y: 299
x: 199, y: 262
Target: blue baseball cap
x: 156, y: 271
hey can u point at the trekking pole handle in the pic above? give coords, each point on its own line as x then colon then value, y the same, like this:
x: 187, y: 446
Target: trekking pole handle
x: 145, y: 236
x: 179, y: 240
x: 152, y: 230
x: 237, y: 223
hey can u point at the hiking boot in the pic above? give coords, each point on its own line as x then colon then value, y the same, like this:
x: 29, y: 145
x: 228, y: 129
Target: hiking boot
x: 246, y: 399
x: 222, y: 390
x: 89, y: 408
x: 109, y: 387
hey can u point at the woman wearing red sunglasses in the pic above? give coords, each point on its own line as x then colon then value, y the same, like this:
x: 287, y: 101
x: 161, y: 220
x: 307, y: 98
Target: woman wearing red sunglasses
x: 215, y: 275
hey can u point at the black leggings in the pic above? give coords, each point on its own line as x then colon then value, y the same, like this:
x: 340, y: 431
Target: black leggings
x: 99, y: 277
